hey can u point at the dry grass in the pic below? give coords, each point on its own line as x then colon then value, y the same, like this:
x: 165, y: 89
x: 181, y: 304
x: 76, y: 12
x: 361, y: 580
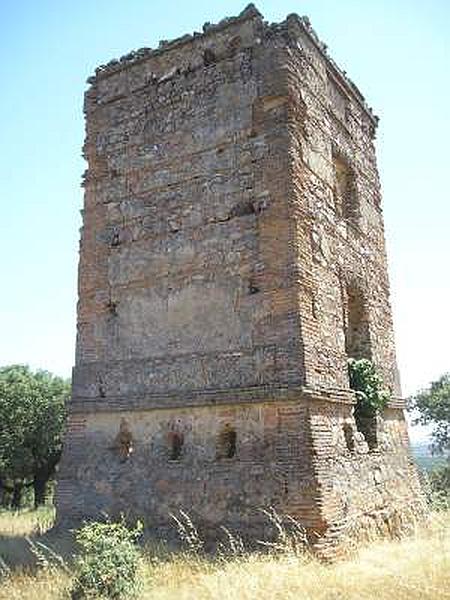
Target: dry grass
x: 413, y: 568
x: 26, y: 522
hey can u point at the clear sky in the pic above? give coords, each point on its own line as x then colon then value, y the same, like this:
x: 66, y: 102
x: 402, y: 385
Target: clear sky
x: 396, y: 51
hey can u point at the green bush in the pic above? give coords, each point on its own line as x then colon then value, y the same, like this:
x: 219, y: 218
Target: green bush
x: 433, y: 407
x: 368, y: 385
x: 438, y: 488
x: 108, y: 564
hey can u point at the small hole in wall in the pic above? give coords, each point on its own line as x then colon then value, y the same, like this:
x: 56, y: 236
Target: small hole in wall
x: 243, y: 209
x: 176, y: 442
x: 112, y: 308
x: 348, y: 435
x: 124, y: 441
x: 226, y: 444
x: 101, y: 387
x: 252, y: 288
x: 209, y: 58
x: 115, y: 238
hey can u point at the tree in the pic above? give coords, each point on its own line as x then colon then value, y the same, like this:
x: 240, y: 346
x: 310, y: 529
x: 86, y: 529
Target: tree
x: 433, y: 406
x: 32, y: 416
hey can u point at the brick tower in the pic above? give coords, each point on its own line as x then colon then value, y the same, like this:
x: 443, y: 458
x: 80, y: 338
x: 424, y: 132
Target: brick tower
x: 232, y: 259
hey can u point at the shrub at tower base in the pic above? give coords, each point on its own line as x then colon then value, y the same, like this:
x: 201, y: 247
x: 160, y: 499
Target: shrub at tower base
x: 108, y: 563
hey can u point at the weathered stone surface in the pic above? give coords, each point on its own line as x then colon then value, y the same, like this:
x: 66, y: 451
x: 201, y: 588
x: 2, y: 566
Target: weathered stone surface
x: 232, y: 258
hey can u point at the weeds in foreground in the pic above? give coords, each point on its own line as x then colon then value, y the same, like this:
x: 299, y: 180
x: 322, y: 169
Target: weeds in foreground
x: 411, y: 568
x: 290, y: 534
x: 188, y: 533
x: 5, y: 570
x: 46, y: 558
x: 231, y: 546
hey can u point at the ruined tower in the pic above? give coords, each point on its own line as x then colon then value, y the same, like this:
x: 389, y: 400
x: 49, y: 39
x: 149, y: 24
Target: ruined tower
x: 232, y: 258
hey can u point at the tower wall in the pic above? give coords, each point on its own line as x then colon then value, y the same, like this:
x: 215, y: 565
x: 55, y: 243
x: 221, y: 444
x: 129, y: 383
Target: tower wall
x: 231, y: 260
x: 186, y: 270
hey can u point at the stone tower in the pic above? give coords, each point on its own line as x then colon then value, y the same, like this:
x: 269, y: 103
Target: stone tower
x: 232, y: 258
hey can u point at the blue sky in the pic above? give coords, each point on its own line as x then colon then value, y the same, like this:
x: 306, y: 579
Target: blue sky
x: 396, y: 52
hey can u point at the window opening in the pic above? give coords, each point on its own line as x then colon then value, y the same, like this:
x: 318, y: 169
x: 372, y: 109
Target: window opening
x: 176, y: 442
x: 357, y: 334
x: 226, y: 446
x: 344, y: 190
x: 357, y: 346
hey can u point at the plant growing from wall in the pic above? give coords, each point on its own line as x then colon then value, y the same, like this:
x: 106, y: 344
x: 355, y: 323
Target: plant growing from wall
x: 371, y: 397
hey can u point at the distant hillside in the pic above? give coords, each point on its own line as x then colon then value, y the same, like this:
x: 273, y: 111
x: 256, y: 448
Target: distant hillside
x: 423, y: 457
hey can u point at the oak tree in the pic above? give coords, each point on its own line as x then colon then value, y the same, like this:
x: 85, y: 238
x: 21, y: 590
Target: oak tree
x: 32, y: 416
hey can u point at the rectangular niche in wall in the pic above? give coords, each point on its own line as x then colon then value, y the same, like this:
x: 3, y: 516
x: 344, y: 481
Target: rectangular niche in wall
x: 344, y: 190
x: 358, y: 346
x: 357, y: 332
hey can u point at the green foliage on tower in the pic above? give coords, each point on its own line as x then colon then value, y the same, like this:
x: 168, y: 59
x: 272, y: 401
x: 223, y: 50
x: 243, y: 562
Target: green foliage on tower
x: 368, y: 385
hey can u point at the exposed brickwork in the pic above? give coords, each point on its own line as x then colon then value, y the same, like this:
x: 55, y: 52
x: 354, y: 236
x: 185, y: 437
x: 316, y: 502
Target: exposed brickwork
x: 232, y: 258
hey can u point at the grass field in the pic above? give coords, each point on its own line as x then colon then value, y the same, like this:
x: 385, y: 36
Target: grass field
x: 416, y: 567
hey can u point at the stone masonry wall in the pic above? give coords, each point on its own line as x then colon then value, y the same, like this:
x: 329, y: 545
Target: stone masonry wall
x: 185, y: 266
x: 362, y: 492
x: 271, y: 467
x: 336, y: 250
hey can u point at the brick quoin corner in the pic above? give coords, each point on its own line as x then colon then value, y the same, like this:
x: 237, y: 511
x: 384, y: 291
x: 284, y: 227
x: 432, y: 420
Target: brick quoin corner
x: 232, y: 258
